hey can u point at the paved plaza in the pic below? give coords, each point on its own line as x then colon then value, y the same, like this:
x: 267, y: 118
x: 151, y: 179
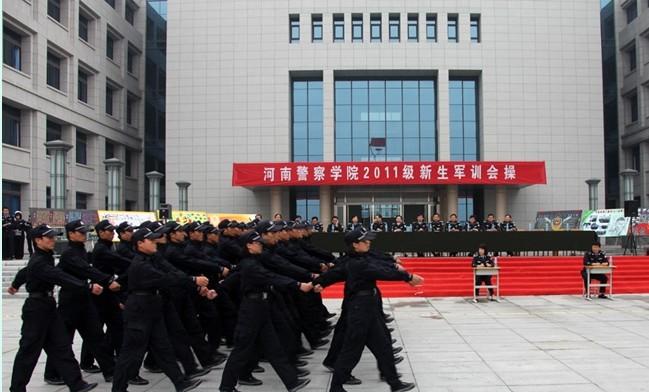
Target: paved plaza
x: 523, y: 344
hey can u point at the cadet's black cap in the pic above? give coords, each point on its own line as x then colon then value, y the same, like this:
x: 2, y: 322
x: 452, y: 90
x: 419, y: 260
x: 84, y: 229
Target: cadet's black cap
x: 301, y: 226
x: 144, y: 234
x: 249, y: 237
x: 144, y: 224
x: 206, y: 227
x: 77, y: 225
x: 193, y: 226
x: 173, y: 226
x: 277, y: 226
x: 358, y: 235
x: 124, y: 226
x: 104, y: 225
x: 263, y: 226
x: 242, y: 226
x: 224, y: 224
x: 233, y: 224
x: 251, y: 225
x: 43, y: 231
x: 157, y: 227
x: 290, y: 225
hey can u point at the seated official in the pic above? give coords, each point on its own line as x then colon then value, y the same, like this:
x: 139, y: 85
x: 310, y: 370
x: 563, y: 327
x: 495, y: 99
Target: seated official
x: 335, y: 226
x: 473, y: 224
x: 437, y: 225
x: 508, y: 224
x: 595, y: 257
x: 378, y: 224
x: 398, y: 225
x: 490, y: 224
x: 482, y: 259
x: 316, y: 225
x: 354, y: 224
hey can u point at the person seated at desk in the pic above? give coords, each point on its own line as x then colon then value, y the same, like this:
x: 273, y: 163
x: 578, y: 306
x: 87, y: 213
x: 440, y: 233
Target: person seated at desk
x: 473, y: 224
x: 482, y: 259
x: 490, y: 224
x: 420, y: 224
x: 437, y: 225
x: 335, y: 226
x: 378, y: 224
x: 595, y: 257
x: 508, y: 224
x: 453, y: 226
x: 354, y: 224
x: 398, y: 225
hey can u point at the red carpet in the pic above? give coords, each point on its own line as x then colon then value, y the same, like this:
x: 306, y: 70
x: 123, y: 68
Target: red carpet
x: 452, y: 276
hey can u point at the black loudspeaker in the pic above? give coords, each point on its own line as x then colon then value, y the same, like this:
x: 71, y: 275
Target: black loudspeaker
x: 164, y: 213
x: 631, y: 208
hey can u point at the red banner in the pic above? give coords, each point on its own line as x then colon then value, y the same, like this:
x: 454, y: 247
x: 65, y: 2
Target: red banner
x: 387, y: 173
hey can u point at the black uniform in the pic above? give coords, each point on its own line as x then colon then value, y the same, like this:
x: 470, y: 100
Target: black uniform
x: 144, y: 325
x: 475, y: 226
x: 365, y: 321
x: 21, y: 229
x: 318, y: 227
x: 419, y: 226
x: 396, y: 227
x: 379, y: 226
x: 353, y: 226
x: 484, y: 261
x: 7, y: 237
x: 589, y: 259
x: 43, y: 327
x: 335, y: 228
x: 490, y: 226
x: 254, y: 326
x: 78, y: 310
x: 508, y: 226
x: 437, y: 226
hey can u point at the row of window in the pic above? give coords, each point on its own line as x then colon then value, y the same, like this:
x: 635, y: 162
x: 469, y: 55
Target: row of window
x: 58, y: 10
x: 376, y: 31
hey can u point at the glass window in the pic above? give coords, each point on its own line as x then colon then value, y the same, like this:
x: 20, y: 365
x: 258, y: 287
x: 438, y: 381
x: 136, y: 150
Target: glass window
x: 84, y: 27
x: 631, y: 58
x: 82, y: 201
x: 129, y: 14
x: 128, y: 163
x: 307, y: 120
x: 53, y: 131
x: 295, y: 28
x: 82, y: 93
x: 375, y: 27
x: 131, y: 61
x: 463, y: 99
x: 316, y: 28
x: 82, y: 148
x: 475, y: 28
x: 12, y: 48
x: 11, y: 125
x: 110, y: 46
x: 632, y: 108
x: 130, y: 110
x: 53, y: 70
x: 339, y: 28
x: 413, y: 27
x: 357, y: 28
x: 431, y: 27
x: 110, y: 3
x: 110, y: 92
x: 110, y: 150
x: 54, y: 9
x: 395, y: 27
x: 452, y: 28
x: 631, y: 11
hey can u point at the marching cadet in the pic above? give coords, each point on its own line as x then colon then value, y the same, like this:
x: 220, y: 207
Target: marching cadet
x: 125, y: 247
x: 491, y: 224
x: 420, y: 224
x: 378, y: 224
x: 365, y: 322
x: 595, y: 256
x: 398, y: 225
x: 507, y: 224
x: 43, y: 327
x: 473, y: 224
x: 317, y: 226
x: 229, y: 247
x: 354, y: 224
x: 482, y: 259
x: 254, y: 326
x: 76, y: 306
x: 143, y: 315
x: 335, y: 226
x: 21, y: 230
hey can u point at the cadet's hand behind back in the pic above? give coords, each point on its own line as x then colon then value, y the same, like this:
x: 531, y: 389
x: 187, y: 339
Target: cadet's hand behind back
x: 416, y: 280
x: 202, y: 281
x: 96, y: 289
x: 306, y: 287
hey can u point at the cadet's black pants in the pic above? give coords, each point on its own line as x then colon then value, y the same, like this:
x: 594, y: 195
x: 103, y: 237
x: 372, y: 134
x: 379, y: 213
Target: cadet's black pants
x: 19, y: 247
x: 255, y: 330
x: 144, y: 328
x: 187, y: 314
x: 43, y: 329
x: 479, y: 280
x: 602, y: 278
x: 111, y: 315
x: 79, y: 314
x: 365, y: 326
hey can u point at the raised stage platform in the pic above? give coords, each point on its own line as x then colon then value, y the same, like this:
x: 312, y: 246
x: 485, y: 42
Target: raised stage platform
x: 452, y: 277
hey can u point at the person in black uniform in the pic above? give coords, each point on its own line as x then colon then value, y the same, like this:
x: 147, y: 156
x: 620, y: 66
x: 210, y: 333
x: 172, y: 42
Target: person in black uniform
x: 317, y: 226
x: 7, y: 235
x: 378, y: 224
x: 254, y: 326
x: 473, y: 224
x: 143, y: 315
x: 437, y: 226
x: 507, y: 224
x: 43, y: 327
x: 125, y: 247
x: 398, y: 225
x: 482, y: 259
x: 491, y: 224
x: 453, y: 226
x: 76, y: 306
x: 335, y: 226
x: 21, y: 230
x: 420, y: 225
x: 365, y: 321
x: 354, y: 224
x: 595, y: 256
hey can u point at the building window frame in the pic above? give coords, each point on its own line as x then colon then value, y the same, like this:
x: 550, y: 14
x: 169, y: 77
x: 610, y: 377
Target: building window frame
x: 394, y: 27
x: 476, y: 32
x: 294, y: 28
x: 413, y: 27
x: 431, y: 27
x: 317, y: 32
x: 55, y: 70
x: 339, y: 28
x: 375, y: 27
x: 12, y: 48
x: 631, y: 11
x: 357, y: 27
x: 453, y: 28
x: 11, y: 125
x: 81, y: 147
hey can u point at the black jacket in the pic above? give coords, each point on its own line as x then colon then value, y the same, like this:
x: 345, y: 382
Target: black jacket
x: 42, y: 275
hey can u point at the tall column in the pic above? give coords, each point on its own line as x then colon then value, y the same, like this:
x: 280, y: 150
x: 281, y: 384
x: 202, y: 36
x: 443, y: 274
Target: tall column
x: 326, y: 204
x: 592, y: 193
x: 115, y: 183
x: 451, y: 199
x: 183, y: 195
x: 501, y: 202
x: 275, y: 201
x: 58, y: 154
x: 628, y: 177
x: 154, y: 189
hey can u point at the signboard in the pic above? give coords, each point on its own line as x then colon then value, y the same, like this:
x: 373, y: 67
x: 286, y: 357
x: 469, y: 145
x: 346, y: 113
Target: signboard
x: 184, y: 217
x: 557, y: 220
x: 387, y: 173
x: 216, y: 218
x: 642, y: 222
x: 58, y: 218
x: 606, y: 223
x: 134, y: 218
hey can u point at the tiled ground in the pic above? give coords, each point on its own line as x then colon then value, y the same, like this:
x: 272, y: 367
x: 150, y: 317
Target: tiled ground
x: 523, y: 344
